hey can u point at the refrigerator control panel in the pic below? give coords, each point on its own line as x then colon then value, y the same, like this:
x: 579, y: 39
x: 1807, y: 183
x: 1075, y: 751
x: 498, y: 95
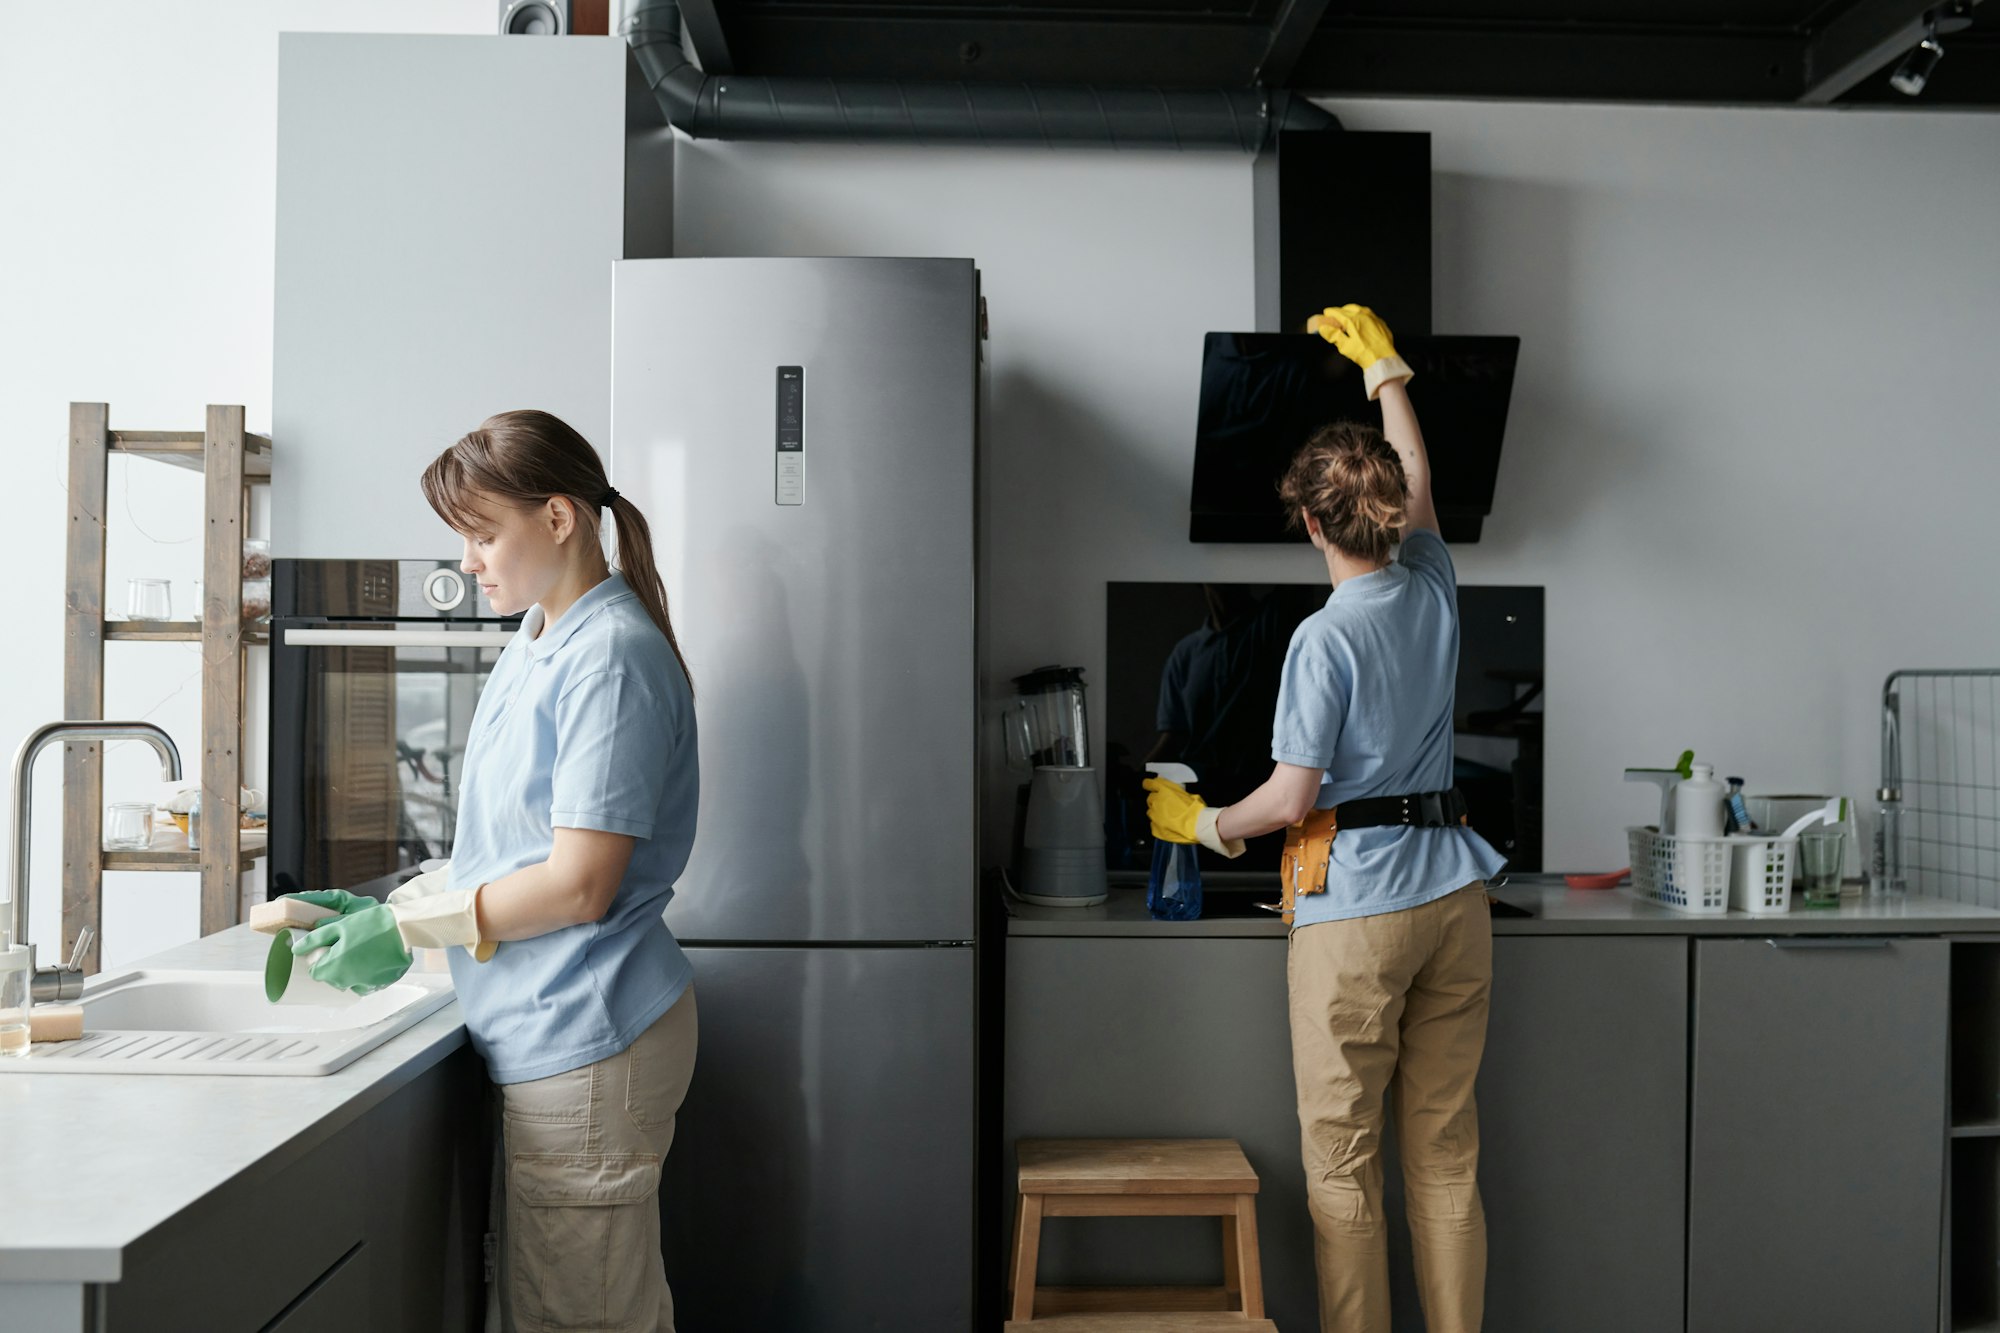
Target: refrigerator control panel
x: 791, y: 435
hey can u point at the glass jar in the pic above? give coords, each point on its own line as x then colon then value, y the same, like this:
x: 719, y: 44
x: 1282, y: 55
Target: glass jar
x: 14, y: 976
x: 148, y: 599
x: 128, y: 826
x: 256, y: 601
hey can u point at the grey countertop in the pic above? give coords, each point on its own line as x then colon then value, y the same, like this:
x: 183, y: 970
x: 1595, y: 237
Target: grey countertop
x: 1557, y: 910
x: 91, y: 1164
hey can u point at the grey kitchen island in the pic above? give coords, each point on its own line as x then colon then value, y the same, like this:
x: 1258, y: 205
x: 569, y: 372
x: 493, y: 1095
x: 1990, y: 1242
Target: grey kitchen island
x: 1687, y: 1122
x: 356, y: 1200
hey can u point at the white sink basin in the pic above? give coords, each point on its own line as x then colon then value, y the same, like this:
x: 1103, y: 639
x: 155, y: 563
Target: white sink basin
x: 152, y: 1021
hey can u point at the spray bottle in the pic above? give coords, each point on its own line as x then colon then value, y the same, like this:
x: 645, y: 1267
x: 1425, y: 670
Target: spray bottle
x: 1174, y: 891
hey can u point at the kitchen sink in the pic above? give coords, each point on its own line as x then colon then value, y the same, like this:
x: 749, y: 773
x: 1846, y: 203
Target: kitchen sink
x: 155, y: 1021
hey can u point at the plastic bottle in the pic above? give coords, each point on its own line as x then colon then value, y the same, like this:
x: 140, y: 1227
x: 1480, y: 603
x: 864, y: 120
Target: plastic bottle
x: 1739, y: 820
x: 1698, y: 804
x: 1173, y: 893
x: 1885, y: 875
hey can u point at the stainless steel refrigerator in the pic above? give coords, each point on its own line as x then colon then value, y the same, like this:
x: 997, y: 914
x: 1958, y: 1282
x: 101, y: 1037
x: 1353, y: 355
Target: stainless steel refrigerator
x: 801, y: 436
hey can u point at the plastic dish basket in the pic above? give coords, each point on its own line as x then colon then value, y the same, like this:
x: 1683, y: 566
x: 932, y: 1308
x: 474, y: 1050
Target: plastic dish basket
x: 1760, y: 878
x: 1751, y: 873
x: 1687, y: 874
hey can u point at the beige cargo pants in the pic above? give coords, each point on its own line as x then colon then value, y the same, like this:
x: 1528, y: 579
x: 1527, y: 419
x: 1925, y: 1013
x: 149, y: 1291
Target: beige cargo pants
x: 583, y: 1153
x: 1394, y: 1003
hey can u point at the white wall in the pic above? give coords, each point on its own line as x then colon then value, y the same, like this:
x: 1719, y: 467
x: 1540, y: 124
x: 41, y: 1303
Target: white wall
x: 1751, y: 454
x: 137, y: 151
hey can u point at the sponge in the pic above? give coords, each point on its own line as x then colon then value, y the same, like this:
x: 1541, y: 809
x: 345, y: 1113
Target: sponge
x: 287, y: 914
x: 55, y: 1022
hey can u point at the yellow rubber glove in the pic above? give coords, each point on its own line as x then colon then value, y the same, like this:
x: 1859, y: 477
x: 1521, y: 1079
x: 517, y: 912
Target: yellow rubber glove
x: 1360, y: 335
x: 1172, y: 810
x: 1178, y: 815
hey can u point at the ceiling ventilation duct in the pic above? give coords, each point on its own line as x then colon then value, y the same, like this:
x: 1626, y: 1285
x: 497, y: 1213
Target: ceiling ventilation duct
x: 735, y: 106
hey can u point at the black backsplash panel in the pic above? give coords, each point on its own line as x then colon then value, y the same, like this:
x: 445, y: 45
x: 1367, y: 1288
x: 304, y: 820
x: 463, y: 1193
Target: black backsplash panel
x: 1497, y: 713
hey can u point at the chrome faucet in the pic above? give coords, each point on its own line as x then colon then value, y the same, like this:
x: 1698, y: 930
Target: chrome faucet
x: 65, y: 980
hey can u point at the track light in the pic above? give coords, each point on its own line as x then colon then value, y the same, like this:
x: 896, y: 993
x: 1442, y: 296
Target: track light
x: 1918, y: 66
x: 1915, y: 72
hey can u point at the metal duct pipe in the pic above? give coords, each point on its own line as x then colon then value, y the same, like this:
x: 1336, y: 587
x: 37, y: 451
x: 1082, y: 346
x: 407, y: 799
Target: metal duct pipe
x: 734, y: 106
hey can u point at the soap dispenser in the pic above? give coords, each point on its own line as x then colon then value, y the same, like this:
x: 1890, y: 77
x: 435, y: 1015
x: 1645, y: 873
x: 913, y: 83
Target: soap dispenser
x: 1173, y: 892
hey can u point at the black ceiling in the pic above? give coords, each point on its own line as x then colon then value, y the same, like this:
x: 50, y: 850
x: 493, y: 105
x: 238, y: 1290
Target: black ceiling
x: 1837, y: 52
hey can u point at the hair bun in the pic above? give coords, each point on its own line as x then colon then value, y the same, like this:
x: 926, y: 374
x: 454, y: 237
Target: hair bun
x: 1349, y: 478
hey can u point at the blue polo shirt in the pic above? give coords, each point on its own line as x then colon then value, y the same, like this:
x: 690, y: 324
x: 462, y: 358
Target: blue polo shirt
x: 1366, y: 695
x: 588, y: 726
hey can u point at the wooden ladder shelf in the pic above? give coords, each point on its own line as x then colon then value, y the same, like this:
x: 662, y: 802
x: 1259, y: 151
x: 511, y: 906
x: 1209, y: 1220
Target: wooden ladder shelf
x: 231, y: 461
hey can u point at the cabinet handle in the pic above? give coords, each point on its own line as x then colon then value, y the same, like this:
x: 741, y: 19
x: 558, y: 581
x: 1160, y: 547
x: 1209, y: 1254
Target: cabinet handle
x: 1822, y: 942
x: 396, y: 638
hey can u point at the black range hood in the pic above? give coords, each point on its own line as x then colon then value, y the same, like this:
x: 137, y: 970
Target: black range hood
x: 1262, y: 394
x: 1342, y: 215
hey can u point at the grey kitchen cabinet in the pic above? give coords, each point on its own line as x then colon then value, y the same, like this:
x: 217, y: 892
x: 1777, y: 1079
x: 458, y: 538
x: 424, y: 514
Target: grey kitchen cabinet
x: 379, y: 1226
x: 336, y: 1302
x: 1160, y: 1038
x: 448, y: 212
x: 1583, y: 1117
x: 1583, y: 1136
x: 1816, y: 1155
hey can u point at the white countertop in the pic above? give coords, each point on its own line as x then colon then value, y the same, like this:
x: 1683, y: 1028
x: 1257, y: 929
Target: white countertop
x: 90, y: 1165
x: 1556, y: 910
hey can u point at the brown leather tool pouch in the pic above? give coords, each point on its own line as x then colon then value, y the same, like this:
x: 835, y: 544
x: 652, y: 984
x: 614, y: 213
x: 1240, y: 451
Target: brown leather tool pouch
x: 1308, y: 848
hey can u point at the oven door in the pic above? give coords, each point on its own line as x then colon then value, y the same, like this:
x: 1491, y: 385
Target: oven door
x: 368, y: 726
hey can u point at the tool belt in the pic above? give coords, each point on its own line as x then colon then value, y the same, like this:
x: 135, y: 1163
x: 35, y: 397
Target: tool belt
x: 1309, y: 843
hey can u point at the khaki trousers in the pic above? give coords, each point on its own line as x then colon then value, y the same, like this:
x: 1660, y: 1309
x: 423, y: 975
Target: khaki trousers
x: 583, y: 1153
x: 1394, y: 1003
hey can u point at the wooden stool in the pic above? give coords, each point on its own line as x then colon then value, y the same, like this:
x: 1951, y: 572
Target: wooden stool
x: 1138, y: 1178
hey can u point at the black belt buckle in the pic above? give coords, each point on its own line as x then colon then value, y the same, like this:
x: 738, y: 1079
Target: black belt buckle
x: 1430, y: 809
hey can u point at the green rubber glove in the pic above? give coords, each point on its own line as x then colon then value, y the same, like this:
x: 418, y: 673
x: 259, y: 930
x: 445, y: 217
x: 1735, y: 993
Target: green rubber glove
x: 339, y: 900
x: 364, y: 950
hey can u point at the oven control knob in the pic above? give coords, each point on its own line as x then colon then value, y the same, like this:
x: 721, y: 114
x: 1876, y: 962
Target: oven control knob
x: 444, y: 589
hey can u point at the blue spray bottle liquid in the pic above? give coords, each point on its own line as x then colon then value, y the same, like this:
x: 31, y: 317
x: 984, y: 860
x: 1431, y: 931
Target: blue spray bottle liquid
x: 1174, y: 891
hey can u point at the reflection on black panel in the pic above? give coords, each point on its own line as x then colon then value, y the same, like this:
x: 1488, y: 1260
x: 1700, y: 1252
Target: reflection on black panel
x: 1191, y: 675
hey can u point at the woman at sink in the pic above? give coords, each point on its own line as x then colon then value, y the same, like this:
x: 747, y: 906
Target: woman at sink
x: 1391, y: 951
x: 575, y: 818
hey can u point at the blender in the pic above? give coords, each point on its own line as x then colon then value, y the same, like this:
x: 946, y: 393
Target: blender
x: 1059, y: 828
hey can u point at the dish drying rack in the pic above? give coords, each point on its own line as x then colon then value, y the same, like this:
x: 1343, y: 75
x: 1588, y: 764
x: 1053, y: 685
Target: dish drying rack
x: 1941, y: 763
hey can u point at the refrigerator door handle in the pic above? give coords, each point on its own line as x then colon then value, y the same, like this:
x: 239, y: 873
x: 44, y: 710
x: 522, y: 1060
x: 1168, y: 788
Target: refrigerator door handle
x: 396, y: 638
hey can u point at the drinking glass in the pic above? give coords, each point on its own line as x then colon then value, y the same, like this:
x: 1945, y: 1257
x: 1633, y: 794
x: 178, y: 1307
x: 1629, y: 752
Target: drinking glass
x: 14, y: 1000
x: 1822, y: 856
x: 128, y: 825
x: 148, y: 599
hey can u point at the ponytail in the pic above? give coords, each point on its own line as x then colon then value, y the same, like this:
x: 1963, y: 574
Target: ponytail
x: 635, y: 561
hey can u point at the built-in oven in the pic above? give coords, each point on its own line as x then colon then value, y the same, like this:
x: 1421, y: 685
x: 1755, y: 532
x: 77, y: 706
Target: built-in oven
x: 376, y: 667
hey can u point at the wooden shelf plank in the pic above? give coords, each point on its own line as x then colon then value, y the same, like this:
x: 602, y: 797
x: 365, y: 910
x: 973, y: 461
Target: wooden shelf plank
x: 170, y: 851
x: 185, y: 449
x: 170, y: 631
x: 123, y: 438
x: 153, y: 631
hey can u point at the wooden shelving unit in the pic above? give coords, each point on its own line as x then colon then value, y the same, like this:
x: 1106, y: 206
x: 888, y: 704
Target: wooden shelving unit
x: 231, y: 461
